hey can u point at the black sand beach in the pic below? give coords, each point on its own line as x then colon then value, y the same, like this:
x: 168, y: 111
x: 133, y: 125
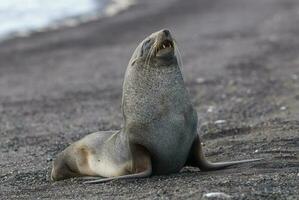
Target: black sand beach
x: 241, y: 66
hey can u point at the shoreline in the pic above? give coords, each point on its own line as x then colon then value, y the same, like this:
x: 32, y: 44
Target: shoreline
x: 113, y: 7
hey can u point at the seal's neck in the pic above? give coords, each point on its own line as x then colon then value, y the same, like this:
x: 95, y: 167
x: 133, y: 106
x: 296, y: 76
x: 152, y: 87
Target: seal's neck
x: 145, y: 89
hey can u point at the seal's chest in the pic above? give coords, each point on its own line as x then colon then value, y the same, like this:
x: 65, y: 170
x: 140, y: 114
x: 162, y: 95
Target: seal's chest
x: 170, y: 155
x: 169, y: 143
x: 166, y: 130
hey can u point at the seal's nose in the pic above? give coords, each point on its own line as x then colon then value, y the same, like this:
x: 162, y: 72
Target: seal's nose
x: 166, y: 32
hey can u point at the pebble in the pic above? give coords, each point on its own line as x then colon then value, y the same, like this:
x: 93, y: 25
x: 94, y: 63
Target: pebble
x: 220, y: 121
x: 210, y: 109
x: 283, y: 108
x: 218, y: 195
x: 200, y: 80
x: 49, y: 158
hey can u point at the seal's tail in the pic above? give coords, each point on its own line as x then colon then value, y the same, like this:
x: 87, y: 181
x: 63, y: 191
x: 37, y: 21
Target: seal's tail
x: 206, y: 165
x: 199, y: 160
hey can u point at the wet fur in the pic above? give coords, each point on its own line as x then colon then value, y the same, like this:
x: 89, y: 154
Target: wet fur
x: 159, y: 135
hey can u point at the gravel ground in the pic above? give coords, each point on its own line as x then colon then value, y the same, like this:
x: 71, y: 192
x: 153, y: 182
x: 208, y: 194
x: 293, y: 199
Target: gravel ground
x: 241, y: 66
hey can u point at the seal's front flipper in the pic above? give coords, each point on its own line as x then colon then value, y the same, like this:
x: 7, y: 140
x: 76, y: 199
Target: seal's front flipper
x: 197, y: 159
x: 141, y: 166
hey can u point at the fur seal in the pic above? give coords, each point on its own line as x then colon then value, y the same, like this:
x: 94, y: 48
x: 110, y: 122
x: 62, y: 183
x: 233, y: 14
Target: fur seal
x: 159, y: 134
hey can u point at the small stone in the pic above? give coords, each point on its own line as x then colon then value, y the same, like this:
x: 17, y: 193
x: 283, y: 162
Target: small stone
x: 221, y: 121
x: 49, y: 159
x: 200, y: 80
x: 283, y: 108
x: 217, y: 195
x: 210, y: 109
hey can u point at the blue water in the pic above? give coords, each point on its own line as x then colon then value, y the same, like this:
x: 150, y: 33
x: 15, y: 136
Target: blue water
x: 23, y: 16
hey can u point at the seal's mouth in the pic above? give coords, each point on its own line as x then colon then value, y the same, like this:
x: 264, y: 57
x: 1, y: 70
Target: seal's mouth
x: 165, y: 47
x: 165, y: 44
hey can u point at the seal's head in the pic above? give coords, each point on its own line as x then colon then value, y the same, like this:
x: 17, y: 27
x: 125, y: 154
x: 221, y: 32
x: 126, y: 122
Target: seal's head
x: 153, y: 80
x: 158, y: 49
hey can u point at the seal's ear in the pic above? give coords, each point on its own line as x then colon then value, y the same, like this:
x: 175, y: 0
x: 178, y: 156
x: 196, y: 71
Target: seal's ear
x: 136, y: 54
x: 141, y: 50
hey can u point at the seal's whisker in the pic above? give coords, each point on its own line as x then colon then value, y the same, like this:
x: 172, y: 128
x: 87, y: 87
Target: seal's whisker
x: 153, y: 49
x: 178, y: 53
x: 147, y: 58
x: 149, y: 55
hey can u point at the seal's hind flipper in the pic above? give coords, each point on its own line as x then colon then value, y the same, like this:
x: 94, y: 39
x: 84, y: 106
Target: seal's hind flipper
x: 197, y: 159
x: 143, y: 174
x: 86, y: 178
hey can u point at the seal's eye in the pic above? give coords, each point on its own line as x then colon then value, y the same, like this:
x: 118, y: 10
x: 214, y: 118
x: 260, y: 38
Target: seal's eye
x: 146, y: 43
x: 145, y: 47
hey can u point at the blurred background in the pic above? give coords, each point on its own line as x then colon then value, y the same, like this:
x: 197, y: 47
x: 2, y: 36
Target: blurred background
x: 62, y: 65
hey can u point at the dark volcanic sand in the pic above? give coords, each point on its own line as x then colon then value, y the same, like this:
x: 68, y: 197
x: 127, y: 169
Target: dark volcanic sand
x: 241, y: 65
